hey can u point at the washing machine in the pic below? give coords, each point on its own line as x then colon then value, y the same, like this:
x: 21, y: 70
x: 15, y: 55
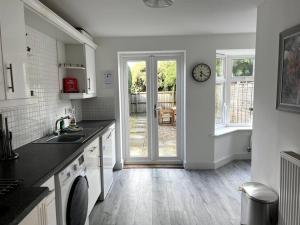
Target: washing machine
x: 72, y: 193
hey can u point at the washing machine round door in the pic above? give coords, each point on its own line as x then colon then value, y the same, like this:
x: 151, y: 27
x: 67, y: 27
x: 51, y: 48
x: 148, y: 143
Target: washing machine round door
x: 77, y: 206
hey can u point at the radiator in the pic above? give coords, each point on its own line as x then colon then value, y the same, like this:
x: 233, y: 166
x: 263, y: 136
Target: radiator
x: 289, y: 205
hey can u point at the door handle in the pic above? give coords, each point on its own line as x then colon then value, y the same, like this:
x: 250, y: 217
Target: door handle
x: 156, y: 109
x: 12, y: 87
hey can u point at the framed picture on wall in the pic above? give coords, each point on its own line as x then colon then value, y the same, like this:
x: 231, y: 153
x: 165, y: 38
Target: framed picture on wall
x: 288, y: 90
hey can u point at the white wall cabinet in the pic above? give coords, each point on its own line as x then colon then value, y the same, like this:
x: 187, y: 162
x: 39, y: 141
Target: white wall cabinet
x: 82, y: 57
x: 13, y: 79
x: 13, y: 40
x: 90, y: 69
x: 2, y: 82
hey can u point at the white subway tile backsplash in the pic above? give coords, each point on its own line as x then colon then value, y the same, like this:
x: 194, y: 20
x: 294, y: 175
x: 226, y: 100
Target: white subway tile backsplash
x: 77, y: 104
x: 30, y: 121
x: 100, y: 108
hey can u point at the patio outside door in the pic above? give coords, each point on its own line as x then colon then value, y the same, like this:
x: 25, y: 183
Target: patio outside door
x: 151, y: 127
x: 164, y: 99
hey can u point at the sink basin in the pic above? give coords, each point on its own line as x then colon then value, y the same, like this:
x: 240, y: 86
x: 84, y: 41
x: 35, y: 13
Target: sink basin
x: 64, y: 138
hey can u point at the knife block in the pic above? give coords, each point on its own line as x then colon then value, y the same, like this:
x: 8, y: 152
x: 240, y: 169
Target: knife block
x: 7, y: 152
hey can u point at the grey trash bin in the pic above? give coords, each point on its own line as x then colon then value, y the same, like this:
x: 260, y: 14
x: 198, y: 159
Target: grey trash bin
x: 259, y: 205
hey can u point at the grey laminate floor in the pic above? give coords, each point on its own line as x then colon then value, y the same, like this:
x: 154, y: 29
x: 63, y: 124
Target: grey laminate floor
x: 174, y: 197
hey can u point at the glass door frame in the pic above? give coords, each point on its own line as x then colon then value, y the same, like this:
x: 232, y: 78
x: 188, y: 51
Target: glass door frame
x: 154, y: 101
x: 151, y: 59
x: 146, y: 59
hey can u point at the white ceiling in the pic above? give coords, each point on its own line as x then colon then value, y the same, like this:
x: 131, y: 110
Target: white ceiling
x: 133, y: 18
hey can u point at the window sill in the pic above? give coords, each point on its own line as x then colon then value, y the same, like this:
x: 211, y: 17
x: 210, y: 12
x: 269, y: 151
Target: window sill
x: 227, y: 130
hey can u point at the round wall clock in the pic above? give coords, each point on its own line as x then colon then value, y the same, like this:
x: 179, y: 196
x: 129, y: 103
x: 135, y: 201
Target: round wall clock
x: 201, y: 72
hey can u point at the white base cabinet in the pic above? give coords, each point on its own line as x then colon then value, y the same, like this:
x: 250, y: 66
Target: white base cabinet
x: 108, y: 160
x: 32, y: 218
x: 47, y: 208
x: 92, y: 162
x: 45, y: 212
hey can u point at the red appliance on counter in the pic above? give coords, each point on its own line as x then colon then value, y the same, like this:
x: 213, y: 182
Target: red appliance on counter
x: 70, y: 85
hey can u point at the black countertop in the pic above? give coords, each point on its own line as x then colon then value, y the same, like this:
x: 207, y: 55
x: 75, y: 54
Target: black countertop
x: 17, y: 204
x: 38, y: 162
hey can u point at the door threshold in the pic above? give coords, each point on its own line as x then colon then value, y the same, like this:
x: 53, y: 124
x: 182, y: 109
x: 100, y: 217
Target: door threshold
x: 153, y: 166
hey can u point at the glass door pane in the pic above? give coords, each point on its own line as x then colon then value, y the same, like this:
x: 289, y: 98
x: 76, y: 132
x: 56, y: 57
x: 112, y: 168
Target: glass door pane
x: 138, y: 122
x: 166, y: 108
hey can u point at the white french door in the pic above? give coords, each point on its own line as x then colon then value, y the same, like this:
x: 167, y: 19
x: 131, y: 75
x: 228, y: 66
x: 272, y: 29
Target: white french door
x: 151, y: 114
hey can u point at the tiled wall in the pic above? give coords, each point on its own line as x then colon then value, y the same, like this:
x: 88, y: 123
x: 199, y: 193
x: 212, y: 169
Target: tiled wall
x: 30, y: 120
x: 100, y: 108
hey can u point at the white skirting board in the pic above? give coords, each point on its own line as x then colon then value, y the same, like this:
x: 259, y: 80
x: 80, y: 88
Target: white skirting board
x: 217, y: 164
x: 224, y: 161
x: 119, y: 165
x: 199, y: 166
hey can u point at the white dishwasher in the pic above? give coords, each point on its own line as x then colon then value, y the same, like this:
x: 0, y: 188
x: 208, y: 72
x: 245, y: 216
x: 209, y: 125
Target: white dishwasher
x: 108, y: 160
x: 92, y: 162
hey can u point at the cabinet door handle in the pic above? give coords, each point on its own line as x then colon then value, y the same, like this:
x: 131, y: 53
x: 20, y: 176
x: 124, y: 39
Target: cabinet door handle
x: 89, y: 83
x: 45, y: 215
x: 93, y: 149
x: 11, y: 78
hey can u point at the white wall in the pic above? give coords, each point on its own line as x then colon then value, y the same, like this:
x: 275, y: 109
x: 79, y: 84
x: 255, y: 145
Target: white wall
x: 273, y: 131
x: 200, y: 97
x: 231, y: 146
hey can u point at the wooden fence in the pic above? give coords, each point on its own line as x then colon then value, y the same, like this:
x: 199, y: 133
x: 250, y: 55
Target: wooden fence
x: 138, y: 101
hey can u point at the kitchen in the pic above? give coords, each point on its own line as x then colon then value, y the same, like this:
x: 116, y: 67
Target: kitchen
x: 42, y: 57
x: 149, y: 112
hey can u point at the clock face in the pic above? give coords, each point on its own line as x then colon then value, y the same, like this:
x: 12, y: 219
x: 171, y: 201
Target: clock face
x: 201, y: 72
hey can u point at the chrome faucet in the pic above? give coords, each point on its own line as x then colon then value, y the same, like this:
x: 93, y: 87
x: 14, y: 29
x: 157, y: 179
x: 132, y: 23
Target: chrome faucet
x: 58, y: 131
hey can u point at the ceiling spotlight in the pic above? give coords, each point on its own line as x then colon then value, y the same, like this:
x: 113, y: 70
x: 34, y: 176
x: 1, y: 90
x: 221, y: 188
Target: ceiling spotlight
x: 158, y: 3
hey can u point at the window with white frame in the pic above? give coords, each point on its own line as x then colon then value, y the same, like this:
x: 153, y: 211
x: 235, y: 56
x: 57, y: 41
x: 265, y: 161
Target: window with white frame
x: 234, y: 90
x: 220, y: 90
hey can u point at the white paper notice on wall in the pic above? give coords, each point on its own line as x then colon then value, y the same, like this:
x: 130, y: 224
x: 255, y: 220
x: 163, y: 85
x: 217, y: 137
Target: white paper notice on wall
x: 108, y: 80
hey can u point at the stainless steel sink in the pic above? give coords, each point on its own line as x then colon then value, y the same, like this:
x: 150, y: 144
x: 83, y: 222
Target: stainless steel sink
x: 64, y: 138
x: 67, y: 138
